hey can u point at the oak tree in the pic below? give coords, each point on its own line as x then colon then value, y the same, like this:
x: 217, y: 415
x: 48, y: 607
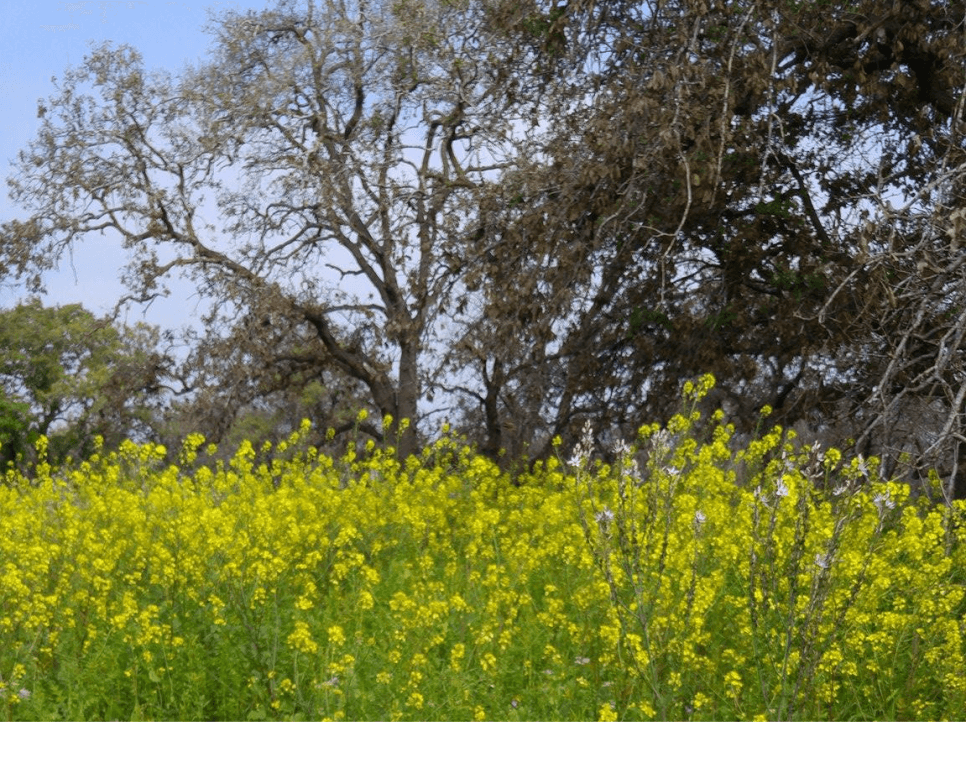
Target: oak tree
x: 311, y: 179
x: 764, y: 190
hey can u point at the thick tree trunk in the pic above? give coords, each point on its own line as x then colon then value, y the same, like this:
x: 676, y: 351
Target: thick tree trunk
x: 407, y: 401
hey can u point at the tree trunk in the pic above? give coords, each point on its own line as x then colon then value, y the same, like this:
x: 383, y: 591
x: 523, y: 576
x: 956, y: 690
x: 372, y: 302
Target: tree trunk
x: 407, y: 400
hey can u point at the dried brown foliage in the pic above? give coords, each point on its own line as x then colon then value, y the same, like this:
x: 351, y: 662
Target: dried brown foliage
x: 768, y: 191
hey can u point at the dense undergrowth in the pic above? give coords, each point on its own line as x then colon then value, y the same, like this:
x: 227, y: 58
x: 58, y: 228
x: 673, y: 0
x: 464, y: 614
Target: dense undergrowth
x: 691, y: 581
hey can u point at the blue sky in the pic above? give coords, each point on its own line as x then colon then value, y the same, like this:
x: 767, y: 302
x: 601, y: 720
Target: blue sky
x: 41, y: 40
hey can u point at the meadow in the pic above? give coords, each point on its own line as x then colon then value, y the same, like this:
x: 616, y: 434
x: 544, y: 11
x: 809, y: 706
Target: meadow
x: 691, y: 580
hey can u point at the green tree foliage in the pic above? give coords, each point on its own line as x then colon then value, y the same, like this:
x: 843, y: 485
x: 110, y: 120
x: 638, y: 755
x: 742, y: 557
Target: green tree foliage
x: 70, y: 376
x: 16, y: 437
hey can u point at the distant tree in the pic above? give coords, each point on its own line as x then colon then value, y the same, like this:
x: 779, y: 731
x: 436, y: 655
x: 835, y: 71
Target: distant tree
x: 70, y: 376
x: 247, y: 389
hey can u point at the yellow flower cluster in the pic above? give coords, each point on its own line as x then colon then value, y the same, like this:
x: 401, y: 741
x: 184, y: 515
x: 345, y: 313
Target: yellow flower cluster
x: 689, y: 580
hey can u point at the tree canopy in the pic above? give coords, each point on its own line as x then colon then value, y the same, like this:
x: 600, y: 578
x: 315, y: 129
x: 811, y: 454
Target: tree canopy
x: 768, y: 191
x: 339, y: 144
x: 71, y: 377
x: 534, y: 214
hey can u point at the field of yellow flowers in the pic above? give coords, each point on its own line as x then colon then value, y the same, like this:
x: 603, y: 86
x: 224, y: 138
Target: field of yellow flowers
x: 690, y: 581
